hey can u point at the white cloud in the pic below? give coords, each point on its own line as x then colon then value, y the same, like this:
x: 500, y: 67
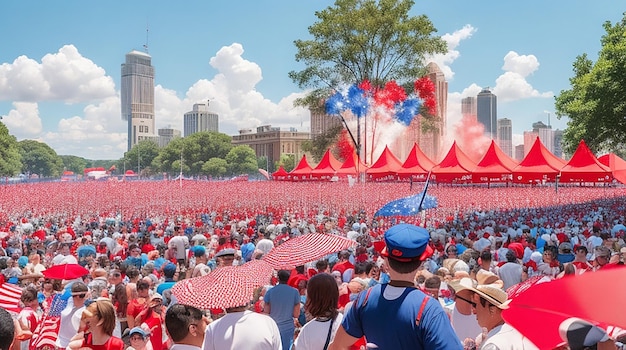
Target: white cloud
x: 100, y: 133
x: 64, y: 76
x: 23, y: 121
x: 453, y: 41
x: 512, y: 85
x: 232, y: 96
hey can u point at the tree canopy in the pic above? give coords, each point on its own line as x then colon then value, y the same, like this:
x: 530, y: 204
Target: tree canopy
x: 39, y: 158
x: 357, y: 40
x: 10, y: 157
x: 596, y: 101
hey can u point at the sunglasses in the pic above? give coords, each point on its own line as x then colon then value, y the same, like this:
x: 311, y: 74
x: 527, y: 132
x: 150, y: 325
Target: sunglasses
x: 80, y: 295
x: 467, y: 301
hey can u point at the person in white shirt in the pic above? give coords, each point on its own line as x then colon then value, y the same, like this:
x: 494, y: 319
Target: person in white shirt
x: 71, y: 315
x: 232, y: 331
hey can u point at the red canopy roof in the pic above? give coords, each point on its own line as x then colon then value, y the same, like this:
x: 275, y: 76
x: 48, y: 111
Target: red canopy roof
x: 538, y: 165
x: 327, y: 167
x: 280, y: 174
x: 616, y: 164
x: 387, y: 165
x: 455, y: 167
x: 417, y: 165
x: 351, y: 166
x: 495, y: 166
x: 585, y: 167
x: 302, y: 171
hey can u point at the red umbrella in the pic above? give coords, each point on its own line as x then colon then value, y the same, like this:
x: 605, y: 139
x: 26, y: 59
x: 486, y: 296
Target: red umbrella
x: 593, y: 296
x: 65, y: 272
x: 226, y: 287
x: 308, y: 247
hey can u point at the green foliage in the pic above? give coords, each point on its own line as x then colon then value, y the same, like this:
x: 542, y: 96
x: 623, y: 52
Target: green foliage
x: 262, y: 163
x: 215, y: 167
x: 242, y: 160
x: 39, y: 158
x: 321, y: 143
x: 10, y: 157
x: 596, y: 101
x: 75, y: 164
x: 195, y: 149
x: 357, y: 40
x: 139, y: 159
x: 288, y: 161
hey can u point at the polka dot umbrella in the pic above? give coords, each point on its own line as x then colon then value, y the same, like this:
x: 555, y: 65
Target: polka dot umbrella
x: 226, y: 287
x: 305, y: 248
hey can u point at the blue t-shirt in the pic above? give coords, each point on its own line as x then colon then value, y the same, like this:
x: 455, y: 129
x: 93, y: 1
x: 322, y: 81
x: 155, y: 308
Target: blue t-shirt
x: 282, y: 299
x: 391, y: 324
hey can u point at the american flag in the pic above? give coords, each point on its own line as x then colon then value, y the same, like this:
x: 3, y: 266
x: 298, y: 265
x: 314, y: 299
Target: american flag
x: 45, y: 334
x: 10, y: 295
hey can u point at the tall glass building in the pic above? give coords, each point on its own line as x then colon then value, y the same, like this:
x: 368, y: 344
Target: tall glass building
x: 137, y: 94
x: 487, y: 112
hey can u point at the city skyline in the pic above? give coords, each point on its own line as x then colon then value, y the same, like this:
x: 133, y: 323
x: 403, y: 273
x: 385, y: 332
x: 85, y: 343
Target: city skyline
x: 61, y: 84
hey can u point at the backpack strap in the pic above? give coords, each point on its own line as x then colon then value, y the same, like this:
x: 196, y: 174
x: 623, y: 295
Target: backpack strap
x: 421, y: 311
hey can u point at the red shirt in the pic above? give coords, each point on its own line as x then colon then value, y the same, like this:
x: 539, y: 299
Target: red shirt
x: 113, y: 343
x: 156, y: 336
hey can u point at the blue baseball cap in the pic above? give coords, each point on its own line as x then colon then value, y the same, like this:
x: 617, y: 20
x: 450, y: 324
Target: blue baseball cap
x: 405, y: 242
x: 138, y: 330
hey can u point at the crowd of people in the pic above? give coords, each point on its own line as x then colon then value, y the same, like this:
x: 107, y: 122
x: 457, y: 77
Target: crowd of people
x: 436, y: 280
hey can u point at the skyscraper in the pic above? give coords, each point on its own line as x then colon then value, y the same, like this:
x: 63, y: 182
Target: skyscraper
x: 200, y: 119
x: 546, y: 134
x: 137, y: 94
x: 468, y: 107
x: 487, y: 111
x: 505, y: 136
x: 429, y: 141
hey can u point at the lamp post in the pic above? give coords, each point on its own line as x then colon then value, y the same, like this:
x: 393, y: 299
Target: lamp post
x: 138, y: 162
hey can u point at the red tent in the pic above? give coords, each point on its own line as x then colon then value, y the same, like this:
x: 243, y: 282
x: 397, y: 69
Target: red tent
x: 455, y: 167
x: 416, y: 166
x: 585, y: 167
x: 616, y: 164
x: 538, y: 165
x: 327, y: 167
x: 495, y: 166
x: 302, y: 171
x: 280, y: 174
x: 385, y: 168
x: 351, y: 166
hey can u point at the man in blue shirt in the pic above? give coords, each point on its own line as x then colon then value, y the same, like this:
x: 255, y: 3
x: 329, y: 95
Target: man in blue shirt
x: 397, y: 315
x: 282, y: 303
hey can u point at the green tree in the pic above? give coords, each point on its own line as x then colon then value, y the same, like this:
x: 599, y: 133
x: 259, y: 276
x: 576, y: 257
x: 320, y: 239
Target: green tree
x: 139, y: 158
x: 10, y: 157
x: 74, y: 163
x: 288, y: 161
x: 215, y: 167
x: 39, y: 158
x: 318, y: 145
x: 196, y: 150
x: 242, y: 160
x: 263, y: 163
x: 359, y: 40
x: 596, y: 102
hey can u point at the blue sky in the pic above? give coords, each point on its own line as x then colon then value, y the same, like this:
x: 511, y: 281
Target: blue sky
x: 60, y: 61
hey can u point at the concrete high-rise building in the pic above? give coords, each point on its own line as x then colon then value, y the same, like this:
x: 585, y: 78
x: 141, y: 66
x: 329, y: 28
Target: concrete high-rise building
x: 200, y: 119
x: 558, y: 143
x: 519, y: 153
x: 166, y: 135
x: 505, y: 136
x: 468, y: 107
x: 430, y: 142
x: 546, y: 134
x: 322, y: 122
x: 529, y: 140
x: 487, y: 111
x: 137, y: 97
